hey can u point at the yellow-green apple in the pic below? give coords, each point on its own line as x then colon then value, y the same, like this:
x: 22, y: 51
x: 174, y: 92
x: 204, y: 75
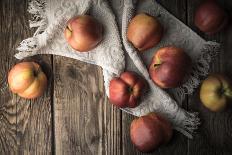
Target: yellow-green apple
x: 125, y: 91
x: 144, y: 31
x: 169, y: 67
x: 215, y: 92
x: 210, y: 17
x: 27, y: 80
x: 149, y: 132
x: 83, y: 33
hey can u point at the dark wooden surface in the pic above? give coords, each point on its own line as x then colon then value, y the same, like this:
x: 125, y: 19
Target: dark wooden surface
x: 74, y: 115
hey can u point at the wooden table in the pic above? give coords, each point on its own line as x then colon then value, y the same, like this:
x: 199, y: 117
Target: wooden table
x: 75, y: 117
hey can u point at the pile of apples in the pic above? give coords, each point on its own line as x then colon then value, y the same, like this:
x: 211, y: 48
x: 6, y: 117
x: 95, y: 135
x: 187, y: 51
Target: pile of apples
x: 167, y: 69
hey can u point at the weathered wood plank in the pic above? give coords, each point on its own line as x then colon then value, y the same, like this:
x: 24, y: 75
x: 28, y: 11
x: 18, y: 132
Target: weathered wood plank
x: 24, y: 124
x: 214, y: 135
x: 178, y: 145
x: 7, y: 122
x: 85, y: 123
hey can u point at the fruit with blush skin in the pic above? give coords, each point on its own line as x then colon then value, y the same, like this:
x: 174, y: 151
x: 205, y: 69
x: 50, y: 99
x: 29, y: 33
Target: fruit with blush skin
x: 144, y: 31
x: 83, y: 33
x: 169, y: 67
x: 210, y: 17
x: 27, y: 80
x: 150, y: 131
x: 215, y: 92
x: 126, y: 90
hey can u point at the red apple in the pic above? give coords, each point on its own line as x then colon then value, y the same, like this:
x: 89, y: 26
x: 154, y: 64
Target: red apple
x: 83, y: 33
x: 169, y: 66
x: 27, y: 80
x: 215, y: 92
x: 144, y: 31
x: 210, y: 17
x: 149, y: 132
x: 125, y: 91
x: 166, y: 127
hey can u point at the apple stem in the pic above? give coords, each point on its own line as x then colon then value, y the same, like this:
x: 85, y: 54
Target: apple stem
x: 156, y: 65
x: 130, y: 89
x: 228, y: 92
x: 35, y: 73
x: 69, y: 28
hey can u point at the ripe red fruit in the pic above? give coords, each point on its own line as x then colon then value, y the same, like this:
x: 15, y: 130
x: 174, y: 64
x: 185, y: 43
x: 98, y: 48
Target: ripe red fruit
x: 125, y: 91
x: 210, y: 17
x: 169, y: 67
x: 83, y: 33
x: 149, y: 132
x: 144, y: 31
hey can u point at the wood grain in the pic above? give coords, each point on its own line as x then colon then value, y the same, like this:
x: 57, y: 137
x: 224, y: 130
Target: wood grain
x: 85, y: 123
x: 8, y: 142
x: 179, y: 143
x: 214, y: 136
x: 24, y: 124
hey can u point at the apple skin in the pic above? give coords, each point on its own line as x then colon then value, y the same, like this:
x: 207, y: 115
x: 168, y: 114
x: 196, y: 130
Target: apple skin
x: 166, y: 127
x: 169, y: 67
x: 27, y: 80
x: 149, y: 132
x: 210, y: 17
x: 83, y: 33
x: 125, y: 91
x: 215, y: 92
x: 144, y: 31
